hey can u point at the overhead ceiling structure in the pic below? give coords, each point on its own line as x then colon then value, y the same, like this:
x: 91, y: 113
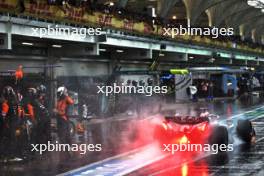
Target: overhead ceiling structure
x: 245, y: 16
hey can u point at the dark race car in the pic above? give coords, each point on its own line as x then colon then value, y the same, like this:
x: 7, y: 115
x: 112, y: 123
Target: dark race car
x: 201, y: 129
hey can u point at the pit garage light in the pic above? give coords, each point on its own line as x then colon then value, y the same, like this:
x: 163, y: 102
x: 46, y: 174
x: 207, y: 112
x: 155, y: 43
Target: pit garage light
x: 208, y: 69
x: 119, y: 51
x: 224, y: 55
x: 199, y: 52
x: 56, y: 46
x: 102, y: 50
x: 27, y: 43
x: 179, y: 71
x: 248, y: 68
x: 241, y: 57
x: 261, y: 59
x: 190, y: 51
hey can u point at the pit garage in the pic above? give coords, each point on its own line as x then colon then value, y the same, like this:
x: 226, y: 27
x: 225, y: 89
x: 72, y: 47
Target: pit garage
x: 131, y: 87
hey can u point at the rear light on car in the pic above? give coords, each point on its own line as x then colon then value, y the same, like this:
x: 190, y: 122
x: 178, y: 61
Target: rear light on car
x: 183, y: 140
x: 184, y: 170
x: 202, y: 126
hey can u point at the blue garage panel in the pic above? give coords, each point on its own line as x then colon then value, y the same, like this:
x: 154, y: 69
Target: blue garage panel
x: 229, y: 79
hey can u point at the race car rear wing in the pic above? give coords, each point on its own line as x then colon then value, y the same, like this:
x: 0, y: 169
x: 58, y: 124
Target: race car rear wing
x: 190, y: 120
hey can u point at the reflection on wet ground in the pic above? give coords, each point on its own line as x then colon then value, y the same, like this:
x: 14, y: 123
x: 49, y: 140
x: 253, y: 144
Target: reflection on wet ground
x: 119, y: 136
x: 244, y: 160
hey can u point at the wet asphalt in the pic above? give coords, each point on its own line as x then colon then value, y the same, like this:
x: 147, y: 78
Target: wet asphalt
x: 119, y: 136
x: 244, y: 160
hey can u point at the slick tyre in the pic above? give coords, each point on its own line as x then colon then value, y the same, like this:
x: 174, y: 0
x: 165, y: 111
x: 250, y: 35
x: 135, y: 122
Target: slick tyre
x: 245, y: 130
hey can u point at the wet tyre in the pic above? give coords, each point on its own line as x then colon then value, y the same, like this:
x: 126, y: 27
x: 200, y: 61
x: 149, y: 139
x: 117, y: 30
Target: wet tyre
x: 219, y: 136
x: 245, y: 130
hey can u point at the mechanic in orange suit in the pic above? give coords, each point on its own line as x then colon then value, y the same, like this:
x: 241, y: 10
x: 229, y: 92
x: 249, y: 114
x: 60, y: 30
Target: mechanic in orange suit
x: 5, y: 109
x: 38, y: 114
x: 19, y: 73
x: 29, y: 109
x: 64, y: 101
x: 30, y: 112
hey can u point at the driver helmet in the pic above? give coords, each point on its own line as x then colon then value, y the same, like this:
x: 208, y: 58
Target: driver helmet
x: 62, y: 91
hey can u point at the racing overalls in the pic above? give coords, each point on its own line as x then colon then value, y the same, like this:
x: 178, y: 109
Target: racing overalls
x: 43, y: 122
x: 62, y: 119
x: 39, y: 116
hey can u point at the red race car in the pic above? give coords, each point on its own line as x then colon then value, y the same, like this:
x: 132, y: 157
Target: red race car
x: 202, y: 129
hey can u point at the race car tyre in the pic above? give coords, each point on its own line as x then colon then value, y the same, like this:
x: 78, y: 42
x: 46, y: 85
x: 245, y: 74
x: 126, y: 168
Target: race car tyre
x: 219, y: 136
x: 245, y: 130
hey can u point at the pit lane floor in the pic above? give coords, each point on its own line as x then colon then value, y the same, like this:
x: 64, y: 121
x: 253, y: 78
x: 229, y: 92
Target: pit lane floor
x: 147, y: 161
x: 51, y: 164
x: 244, y: 160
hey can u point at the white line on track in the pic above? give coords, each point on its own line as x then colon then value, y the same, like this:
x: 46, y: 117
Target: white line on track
x: 243, y: 113
x: 260, y: 139
x: 258, y: 123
